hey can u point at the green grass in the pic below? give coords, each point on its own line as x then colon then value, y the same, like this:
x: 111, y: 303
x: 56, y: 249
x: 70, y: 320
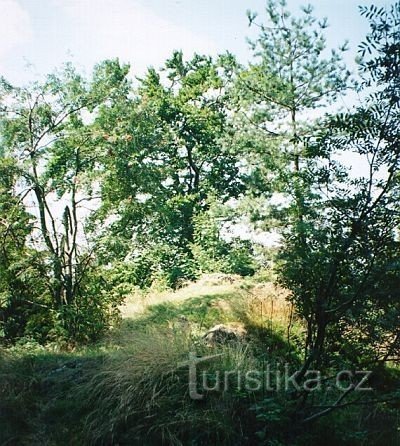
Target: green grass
x: 127, y: 387
x: 129, y: 390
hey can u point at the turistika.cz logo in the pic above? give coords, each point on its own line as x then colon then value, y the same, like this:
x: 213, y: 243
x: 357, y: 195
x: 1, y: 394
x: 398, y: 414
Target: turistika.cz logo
x: 272, y: 378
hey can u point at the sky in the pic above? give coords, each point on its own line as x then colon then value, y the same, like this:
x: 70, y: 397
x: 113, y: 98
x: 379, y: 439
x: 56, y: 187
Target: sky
x: 37, y: 36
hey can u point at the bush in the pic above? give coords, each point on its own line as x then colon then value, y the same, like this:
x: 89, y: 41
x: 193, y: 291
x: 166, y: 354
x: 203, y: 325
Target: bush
x: 211, y: 253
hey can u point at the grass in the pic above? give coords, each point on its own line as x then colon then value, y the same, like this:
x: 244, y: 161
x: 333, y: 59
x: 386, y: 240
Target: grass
x: 209, y: 302
x: 129, y: 389
x: 129, y: 386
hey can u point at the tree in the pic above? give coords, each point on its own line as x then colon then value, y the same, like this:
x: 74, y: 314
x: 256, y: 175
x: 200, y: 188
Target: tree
x: 169, y: 147
x: 292, y: 75
x: 342, y: 264
x: 43, y: 129
x: 23, y: 292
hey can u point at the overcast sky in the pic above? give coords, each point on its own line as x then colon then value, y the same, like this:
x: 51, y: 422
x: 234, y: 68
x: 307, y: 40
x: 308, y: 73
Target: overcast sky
x: 38, y: 35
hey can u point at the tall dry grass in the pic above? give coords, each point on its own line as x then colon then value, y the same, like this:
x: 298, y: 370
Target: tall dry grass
x: 142, y: 392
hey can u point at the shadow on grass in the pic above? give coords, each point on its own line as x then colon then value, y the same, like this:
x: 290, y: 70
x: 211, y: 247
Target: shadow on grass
x: 202, y: 310
x: 40, y: 401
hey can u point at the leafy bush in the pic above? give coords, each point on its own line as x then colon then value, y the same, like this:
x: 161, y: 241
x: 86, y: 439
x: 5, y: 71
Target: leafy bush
x: 212, y: 253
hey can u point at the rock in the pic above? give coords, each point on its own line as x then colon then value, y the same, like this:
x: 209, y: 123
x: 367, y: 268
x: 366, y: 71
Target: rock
x: 225, y: 333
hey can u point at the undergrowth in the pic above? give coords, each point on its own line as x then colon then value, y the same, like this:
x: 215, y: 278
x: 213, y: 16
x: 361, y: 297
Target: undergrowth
x: 132, y: 388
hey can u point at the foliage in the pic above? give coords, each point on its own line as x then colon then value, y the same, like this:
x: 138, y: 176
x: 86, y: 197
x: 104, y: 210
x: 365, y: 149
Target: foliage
x: 341, y: 257
x: 292, y: 77
x: 43, y: 130
x: 24, y: 297
x: 114, y: 192
x: 166, y: 152
x: 212, y: 253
